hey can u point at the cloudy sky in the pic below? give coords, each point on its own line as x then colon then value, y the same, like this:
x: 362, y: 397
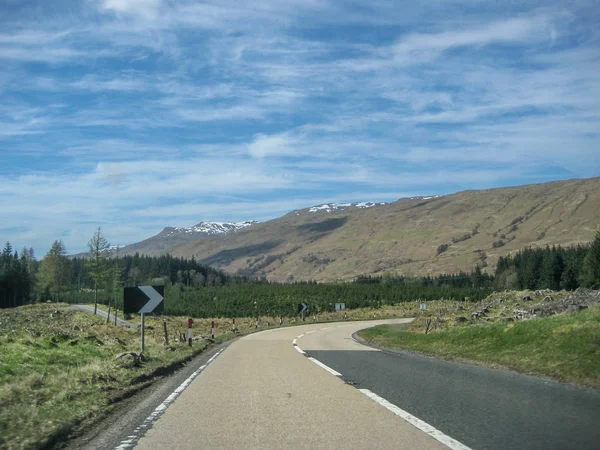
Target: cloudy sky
x: 137, y: 114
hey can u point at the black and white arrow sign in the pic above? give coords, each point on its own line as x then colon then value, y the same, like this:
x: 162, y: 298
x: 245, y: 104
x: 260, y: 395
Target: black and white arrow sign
x: 143, y: 299
x: 302, y: 307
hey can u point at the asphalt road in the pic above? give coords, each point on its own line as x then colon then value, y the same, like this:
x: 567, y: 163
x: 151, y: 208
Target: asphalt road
x: 101, y: 313
x: 261, y: 393
x: 480, y: 407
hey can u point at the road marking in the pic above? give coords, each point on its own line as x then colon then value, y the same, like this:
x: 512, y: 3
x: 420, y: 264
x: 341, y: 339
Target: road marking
x: 308, y: 332
x: 317, y: 362
x: 299, y: 350
x: 423, y: 426
x: 327, y: 368
x: 133, y: 439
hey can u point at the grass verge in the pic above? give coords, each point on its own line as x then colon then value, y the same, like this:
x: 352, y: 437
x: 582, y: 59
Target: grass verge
x: 58, y: 368
x: 565, y: 347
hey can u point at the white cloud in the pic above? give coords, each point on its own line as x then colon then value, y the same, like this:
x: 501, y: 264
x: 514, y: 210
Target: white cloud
x: 263, y: 145
x: 148, y: 9
x: 520, y: 29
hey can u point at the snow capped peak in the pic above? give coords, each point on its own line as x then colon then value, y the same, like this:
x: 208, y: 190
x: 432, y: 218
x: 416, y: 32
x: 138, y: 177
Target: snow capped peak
x: 423, y: 198
x: 328, y: 207
x: 212, y: 228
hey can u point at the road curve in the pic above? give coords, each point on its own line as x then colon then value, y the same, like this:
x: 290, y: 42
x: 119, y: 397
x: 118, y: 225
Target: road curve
x: 261, y: 393
x: 482, y: 408
x: 104, y: 314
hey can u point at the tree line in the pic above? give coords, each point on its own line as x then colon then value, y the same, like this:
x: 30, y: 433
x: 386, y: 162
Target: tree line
x: 553, y: 268
x: 196, y: 289
x: 259, y: 298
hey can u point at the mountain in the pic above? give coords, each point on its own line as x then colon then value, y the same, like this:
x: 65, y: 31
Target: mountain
x: 172, y: 236
x: 412, y: 236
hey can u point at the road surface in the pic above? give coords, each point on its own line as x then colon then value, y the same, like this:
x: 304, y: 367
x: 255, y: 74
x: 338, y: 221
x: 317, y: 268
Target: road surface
x: 482, y: 408
x: 261, y: 393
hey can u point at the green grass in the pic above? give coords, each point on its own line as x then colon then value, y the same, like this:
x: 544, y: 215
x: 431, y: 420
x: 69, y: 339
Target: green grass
x: 565, y: 347
x: 57, y: 370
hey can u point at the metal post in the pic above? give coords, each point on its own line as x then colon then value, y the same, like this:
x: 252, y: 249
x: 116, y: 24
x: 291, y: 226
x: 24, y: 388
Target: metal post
x: 142, y: 332
x: 166, y: 334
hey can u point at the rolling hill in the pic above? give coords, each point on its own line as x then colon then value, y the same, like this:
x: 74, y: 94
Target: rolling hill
x: 412, y: 236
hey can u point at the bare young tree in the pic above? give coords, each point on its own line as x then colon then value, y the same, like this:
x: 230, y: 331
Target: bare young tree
x: 99, y: 249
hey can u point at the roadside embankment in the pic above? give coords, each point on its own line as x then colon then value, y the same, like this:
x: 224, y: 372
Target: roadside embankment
x: 557, y: 338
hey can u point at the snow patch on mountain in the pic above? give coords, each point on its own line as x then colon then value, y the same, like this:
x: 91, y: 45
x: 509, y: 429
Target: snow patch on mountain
x: 328, y: 207
x: 212, y: 228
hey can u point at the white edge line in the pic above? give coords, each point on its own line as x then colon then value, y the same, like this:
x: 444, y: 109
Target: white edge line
x: 423, y: 426
x: 133, y: 439
x: 327, y: 368
x: 295, y: 342
x: 299, y: 350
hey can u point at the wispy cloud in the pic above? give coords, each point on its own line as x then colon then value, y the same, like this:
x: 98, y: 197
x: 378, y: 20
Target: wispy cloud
x: 152, y: 112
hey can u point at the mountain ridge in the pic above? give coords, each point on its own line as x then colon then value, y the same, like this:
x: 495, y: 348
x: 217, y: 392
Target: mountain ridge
x: 411, y: 236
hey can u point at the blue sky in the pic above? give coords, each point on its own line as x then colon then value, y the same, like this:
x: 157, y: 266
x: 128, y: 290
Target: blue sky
x: 133, y: 115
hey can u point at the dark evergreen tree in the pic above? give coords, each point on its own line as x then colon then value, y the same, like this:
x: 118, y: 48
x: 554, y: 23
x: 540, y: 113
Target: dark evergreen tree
x: 590, y: 276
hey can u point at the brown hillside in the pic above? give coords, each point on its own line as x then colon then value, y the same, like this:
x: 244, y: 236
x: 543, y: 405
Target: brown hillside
x: 404, y: 237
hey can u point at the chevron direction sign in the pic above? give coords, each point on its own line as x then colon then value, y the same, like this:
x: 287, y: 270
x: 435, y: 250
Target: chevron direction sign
x: 143, y: 299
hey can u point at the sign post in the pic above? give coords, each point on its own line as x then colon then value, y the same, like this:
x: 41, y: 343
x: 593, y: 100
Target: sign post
x: 142, y: 300
x: 142, y: 334
x: 301, y: 308
x: 190, y: 335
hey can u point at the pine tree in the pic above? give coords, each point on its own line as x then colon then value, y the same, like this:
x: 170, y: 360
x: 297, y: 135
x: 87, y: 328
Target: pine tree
x: 590, y: 276
x: 55, y: 271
